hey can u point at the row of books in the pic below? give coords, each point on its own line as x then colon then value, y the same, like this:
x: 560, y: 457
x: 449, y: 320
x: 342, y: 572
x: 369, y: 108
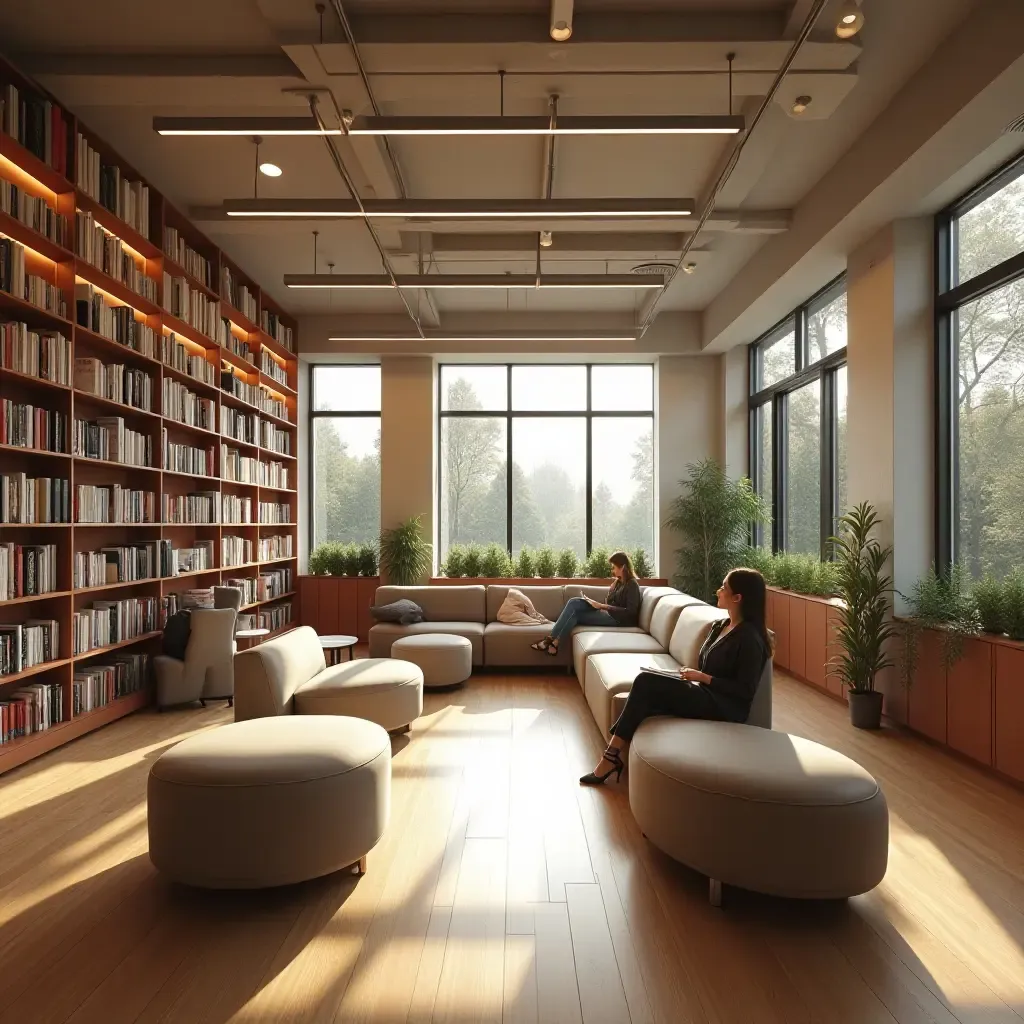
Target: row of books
x: 24, y: 645
x: 184, y: 458
x: 126, y: 564
x: 39, y: 125
x: 125, y: 385
x: 275, y: 617
x: 191, y: 305
x: 238, y: 294
x: 118, y: 323
x: 198, y: 508
x: 271, y: 323
x: 33, y: 212
x: 31, y: 709
x: 274, y: 406
x: 273, y: 474
x: 227, y: 339
x: 106, y: 183
x: 32, y: 500
x: 236, y: 467
x: 235, y: 510
x: 187, y: 407
x: 185, y: 256
x: 96, y: 686
x: 42, y: 354
x: 110, y: 622
x: 109, y: 439
x: 175, y: 561
x: 16, y: 280
x: 234, y: 385
x: 107, y: 252
x: 272, y: 548
x: 273, y: 583
x: 29, y: 426
x: 27, y: 570
x: 241, y: 426
x: 235, y: 551
x: 112, y: 503
x: 275, y: 512
x: 175, y: 354
x: 274, y: 438
x: 272, y: 368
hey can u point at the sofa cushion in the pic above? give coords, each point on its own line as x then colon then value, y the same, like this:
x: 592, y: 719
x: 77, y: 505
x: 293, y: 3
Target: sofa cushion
x: 384, y: 634
x: 510, y: 645
x: 650, y: 596
x: 666, y: 614
x: 692, y: 628
x: 382, y: 690
x: 549, y: 601
x: 609, y: 641
x: 404, y: 611
x: 267, y: 676
x: 611, y: 674
x: 440, y: 603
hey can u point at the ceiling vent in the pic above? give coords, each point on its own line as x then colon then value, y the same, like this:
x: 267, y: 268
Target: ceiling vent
x: 1015, y: 126
x: 665, y: 270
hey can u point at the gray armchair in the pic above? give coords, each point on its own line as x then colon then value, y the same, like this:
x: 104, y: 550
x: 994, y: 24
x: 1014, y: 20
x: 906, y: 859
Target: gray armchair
x: 207, y: 673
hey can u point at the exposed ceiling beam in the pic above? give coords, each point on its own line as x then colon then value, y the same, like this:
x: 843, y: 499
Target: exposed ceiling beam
x: 169, y: 65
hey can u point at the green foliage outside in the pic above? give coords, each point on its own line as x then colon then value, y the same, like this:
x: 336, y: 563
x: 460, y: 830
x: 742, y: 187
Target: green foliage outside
x: 334, y: 559
x: 346, y: 500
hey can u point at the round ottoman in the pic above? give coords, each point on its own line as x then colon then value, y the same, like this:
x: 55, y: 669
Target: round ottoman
x: 269, y: 802
x: 446, y: 660
x: 758, y: 809
x: 380, y: 690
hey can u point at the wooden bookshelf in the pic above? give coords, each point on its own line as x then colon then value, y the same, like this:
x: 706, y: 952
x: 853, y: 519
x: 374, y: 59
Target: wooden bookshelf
x: 173, y: 245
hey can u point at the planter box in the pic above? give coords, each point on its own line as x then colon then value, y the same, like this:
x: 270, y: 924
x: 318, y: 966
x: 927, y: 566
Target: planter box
x: 337, y: 604
x: 803, y: 626
x: 535, y: 581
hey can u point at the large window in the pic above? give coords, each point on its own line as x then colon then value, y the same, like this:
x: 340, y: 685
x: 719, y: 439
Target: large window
x: 798, y: 423
x: 545, y: 455
x: 980, y: 310
x: 345, y: 454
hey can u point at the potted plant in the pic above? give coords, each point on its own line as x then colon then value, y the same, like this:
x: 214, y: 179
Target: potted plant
x: 714, y: 516
x: 943, y: 603
x: 863, y: 627
x: 405, y: 555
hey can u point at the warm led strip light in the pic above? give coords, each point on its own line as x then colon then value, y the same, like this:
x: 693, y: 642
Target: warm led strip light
x: 495, y: 338
x: 474, y: 281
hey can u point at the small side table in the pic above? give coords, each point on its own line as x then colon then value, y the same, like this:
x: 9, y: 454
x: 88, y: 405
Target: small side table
x: 253, y: 636
x: 335, y: 644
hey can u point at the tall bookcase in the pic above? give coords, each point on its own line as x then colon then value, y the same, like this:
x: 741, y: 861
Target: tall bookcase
x: 240, y: 362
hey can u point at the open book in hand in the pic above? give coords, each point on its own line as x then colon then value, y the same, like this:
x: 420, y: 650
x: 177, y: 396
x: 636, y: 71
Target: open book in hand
x: 668, y: 673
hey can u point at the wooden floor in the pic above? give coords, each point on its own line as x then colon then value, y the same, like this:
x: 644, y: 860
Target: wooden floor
x: 502, y: 891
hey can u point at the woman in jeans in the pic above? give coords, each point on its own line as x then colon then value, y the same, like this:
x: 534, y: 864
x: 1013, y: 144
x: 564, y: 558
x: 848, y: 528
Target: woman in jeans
x: 620, y: 608
x: 721, y: 688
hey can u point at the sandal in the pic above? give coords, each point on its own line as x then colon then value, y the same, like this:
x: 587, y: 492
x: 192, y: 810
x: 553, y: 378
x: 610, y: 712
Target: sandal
x: 542, y: 645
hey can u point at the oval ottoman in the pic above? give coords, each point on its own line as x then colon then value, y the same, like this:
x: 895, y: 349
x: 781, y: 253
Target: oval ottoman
x: 758, y: 809
x: 269, y: 802
x: 445, y: 659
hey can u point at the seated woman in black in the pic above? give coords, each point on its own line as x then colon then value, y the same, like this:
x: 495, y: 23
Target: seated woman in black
x: 722, y: 688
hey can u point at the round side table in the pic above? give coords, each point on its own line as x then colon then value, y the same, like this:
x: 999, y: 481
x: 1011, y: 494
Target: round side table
x: 253, y: 636
x: 336, y: 643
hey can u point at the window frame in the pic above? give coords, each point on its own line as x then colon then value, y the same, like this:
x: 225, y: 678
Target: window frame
x: 314, y: 415
x: 509, y: 414
x: 776, y: 397
x: 949, y: 299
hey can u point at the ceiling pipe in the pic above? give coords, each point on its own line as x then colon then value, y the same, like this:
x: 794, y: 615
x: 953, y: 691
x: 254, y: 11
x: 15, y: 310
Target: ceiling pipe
x: 548, y: 181
x: 561, y: 20
x: 339, y: 164
x: 723, y: 177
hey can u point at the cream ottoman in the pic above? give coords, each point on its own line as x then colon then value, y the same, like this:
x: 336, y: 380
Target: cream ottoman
x: 446, y: 660
x: 758, y: 809
x: 269, y: 802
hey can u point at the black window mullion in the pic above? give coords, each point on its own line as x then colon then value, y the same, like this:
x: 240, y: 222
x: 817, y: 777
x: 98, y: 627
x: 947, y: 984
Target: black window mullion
x: 829, y: 461
x: 508, y: 459
x: 800, y: 338
x: 780, y: 447
x: 589, y: 514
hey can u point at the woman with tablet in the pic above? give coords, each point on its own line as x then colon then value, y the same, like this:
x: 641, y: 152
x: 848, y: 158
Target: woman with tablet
x: 722, y: 686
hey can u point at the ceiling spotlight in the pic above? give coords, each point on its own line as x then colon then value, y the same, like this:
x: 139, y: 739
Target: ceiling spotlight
x: 800, y: 105
x: 561, y: 20
x: 560, y: 31
x: 850, y: 20
x: 689, y: 268
x: 546, y: 240
x: 270, y: 170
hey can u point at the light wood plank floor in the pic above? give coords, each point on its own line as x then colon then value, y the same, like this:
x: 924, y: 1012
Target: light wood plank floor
x: 504, y: 892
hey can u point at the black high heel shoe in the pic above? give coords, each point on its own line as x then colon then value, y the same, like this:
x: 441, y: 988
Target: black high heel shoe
x: 614, y: 758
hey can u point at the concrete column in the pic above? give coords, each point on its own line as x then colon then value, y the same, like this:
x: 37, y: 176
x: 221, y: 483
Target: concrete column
x: 688, y: 400
x: 408, y: 427
x: 891, y: 406
x: 736, y: 419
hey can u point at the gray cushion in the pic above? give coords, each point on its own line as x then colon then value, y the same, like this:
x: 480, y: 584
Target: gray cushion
x: 404, y: 611
x: 440, y: 602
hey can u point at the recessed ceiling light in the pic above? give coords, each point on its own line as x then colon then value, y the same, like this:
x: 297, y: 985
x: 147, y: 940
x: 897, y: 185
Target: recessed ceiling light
x: 270, y: 170
x: 800, y: 105
x: 689, y: 268
x: 850, y: 20
x: 560, y: 31
x: 546, y: 240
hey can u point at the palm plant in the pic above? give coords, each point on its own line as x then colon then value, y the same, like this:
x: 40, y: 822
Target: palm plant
x: 714, y: 516
x: 405, y: 555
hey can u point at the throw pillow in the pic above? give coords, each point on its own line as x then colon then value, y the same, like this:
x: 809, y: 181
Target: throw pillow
x: 404, y: 612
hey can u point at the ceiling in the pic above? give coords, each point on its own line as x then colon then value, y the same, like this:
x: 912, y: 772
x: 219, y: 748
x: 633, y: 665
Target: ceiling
x: 120, y: 65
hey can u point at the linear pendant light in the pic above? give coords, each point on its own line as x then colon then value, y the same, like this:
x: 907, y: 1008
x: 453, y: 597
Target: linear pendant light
x: 461, y: 209
x: 474, y: 281
x: 688, y: 124
x: 481, y: 336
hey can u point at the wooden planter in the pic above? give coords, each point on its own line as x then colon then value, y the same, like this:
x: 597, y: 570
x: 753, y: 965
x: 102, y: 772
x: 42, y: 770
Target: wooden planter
x: 804, y: 626
x: 337, y: 604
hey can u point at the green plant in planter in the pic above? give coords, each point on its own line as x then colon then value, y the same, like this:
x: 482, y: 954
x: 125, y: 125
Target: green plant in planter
x: 568, y: 564
x: 495, y: 563
x: 988, y: 599
x: 455, y: 562
x: 472, y: 561
x: 864, y: 627
x: 714, y: 516
x: 367, y: 562
x: 320, y: 559
x: 524, y: 565
x: 944, y: 604
x: 1013, y: 604
x: 546, y: 563
x: 350, y: 559
x: 405, y: 554
x: 597, y: 566
x: 642, y: 564
x: 760, y: 559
